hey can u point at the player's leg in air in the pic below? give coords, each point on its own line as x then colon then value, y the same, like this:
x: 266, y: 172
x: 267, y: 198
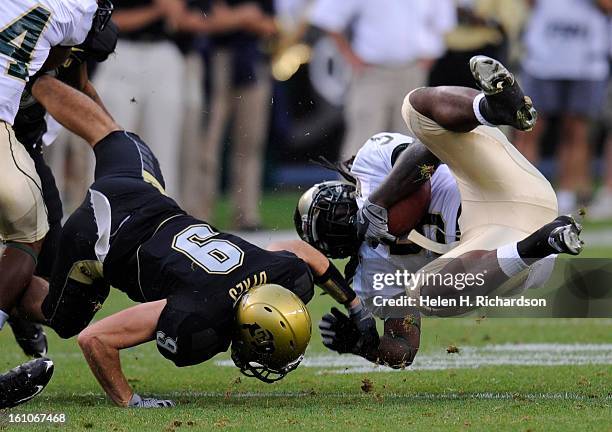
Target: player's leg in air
x: 509, y: 210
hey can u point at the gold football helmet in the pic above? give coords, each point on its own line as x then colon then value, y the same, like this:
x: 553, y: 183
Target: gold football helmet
x: 272, y: 332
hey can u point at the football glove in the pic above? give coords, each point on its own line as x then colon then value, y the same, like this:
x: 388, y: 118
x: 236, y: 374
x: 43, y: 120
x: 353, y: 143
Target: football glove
x: 139, y: 402
x: 356, y: 334
x: 338, y: 332
x: 372, y: 225
x: 365, y: 323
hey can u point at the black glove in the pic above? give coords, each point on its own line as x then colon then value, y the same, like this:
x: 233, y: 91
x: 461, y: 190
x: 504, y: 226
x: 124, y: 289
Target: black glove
x: 365, y: 324
x: 371, y: 223
x: 338, y: 332
x: 355, y: 335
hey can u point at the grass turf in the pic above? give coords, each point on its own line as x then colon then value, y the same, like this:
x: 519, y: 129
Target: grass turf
x: 210, y: 397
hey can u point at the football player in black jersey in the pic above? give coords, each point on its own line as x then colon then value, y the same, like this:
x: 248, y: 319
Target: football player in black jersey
x: 196, y: 284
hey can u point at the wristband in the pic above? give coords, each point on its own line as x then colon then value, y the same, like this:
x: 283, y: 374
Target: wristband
x: 335, y: 285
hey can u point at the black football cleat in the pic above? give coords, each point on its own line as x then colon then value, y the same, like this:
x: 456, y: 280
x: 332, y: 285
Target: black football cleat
x: 24, y: 382
x: 507, y: 104
x: 30, y: 337
x: 566, y: 237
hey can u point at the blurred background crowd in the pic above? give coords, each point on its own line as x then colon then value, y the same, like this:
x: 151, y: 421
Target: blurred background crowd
x: 237, y: 96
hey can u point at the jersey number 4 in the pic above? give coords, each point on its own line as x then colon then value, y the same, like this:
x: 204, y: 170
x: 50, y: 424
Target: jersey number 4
x: 19, y: 38
x: 215, y: 256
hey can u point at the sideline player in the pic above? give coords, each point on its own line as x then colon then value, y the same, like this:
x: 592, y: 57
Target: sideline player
x: 190, y: 278
x: 34, y: 36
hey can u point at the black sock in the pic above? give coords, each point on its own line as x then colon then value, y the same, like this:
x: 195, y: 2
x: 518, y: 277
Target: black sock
x: 501, y: 109
x: 536, y: 246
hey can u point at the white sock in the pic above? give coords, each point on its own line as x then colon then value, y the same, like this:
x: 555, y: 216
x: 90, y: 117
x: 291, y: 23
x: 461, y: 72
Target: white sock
x: 510, y: 261
x: 3, y: 317
x: 478, y: 114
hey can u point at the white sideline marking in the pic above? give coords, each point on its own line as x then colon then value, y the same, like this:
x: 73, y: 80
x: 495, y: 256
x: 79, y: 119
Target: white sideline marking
x: 470, y: 357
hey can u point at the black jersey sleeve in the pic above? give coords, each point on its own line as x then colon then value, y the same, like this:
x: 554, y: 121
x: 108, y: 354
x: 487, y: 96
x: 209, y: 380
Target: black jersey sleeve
x: 292, y: 273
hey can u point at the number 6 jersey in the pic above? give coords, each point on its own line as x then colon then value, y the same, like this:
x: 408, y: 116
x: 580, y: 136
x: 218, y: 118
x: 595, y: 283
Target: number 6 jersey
x: 28, y: 30
x: 128, y: 234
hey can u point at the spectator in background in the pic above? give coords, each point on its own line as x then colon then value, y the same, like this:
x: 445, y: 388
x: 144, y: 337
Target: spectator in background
x: 143, y: 85
x: 486, y: 27
x: 601, y: 208
x: 392, y: 44
x: 565, y: 71
x: 241, y: 91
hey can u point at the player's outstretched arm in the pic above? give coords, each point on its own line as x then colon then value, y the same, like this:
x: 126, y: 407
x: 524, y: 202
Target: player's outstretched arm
x: 73, y: 109
x: 320, y: 266
x: 327, y: 276
x: 102, y: 341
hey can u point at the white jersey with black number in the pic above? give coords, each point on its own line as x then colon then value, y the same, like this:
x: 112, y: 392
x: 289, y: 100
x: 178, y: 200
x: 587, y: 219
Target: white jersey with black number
x: 28, y: 30
x: 373, y: 163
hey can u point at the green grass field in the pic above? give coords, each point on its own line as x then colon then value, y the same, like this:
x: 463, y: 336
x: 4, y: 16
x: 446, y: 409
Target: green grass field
x: 215, y: 397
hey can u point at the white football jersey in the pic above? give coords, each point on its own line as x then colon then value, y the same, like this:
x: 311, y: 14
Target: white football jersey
x: 371, y: 166
x: 29, y: 28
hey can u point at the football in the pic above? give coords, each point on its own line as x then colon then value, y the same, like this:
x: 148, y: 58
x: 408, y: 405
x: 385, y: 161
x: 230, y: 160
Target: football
x: 406, y: 214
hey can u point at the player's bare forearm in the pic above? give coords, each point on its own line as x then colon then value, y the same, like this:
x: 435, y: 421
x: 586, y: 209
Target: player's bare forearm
x: 320, y: 265
x: 245, y: 17
x: 344, y: 46
x: 317, y: 262
x: 73, y: 109
x: 102, y: 341
x: 412, y: 169
x: 136, y: 18
x: 398, y: 345
x: 91, y: 91
x: 450, y: 107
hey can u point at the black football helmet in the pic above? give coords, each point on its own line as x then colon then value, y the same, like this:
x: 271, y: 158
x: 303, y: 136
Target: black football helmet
x: 325, y: 218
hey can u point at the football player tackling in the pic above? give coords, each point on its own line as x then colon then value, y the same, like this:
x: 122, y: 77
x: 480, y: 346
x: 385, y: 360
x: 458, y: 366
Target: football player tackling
x: 201, y: 290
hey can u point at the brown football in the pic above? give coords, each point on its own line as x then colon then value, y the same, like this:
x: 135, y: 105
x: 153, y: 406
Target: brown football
x: 406, y: 214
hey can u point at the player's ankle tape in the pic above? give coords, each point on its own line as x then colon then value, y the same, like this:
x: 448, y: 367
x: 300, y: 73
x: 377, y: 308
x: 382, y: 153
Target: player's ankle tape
x: 478, y: 113
x: 510, y: 261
